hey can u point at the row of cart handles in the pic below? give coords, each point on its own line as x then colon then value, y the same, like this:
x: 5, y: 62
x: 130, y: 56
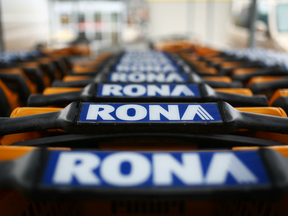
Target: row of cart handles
x: 180, y: 104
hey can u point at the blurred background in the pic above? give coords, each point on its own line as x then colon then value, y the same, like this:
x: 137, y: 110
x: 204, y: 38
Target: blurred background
x: 102, y: 24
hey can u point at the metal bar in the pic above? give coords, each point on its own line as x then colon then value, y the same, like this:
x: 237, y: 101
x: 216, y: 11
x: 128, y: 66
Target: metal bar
x: 253, y: 14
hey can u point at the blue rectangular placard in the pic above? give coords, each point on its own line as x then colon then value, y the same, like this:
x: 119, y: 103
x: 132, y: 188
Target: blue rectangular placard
x: 148, y: 63
x: 99, y: 112
x: 154, y: 170
x: 148, y: 77
x: 147, y: 90
x: 146, y: 67
x: 144, y: 61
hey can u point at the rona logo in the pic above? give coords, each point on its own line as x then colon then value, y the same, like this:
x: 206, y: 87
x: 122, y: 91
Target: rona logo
x: 130, y: 169
x: 149, y: 112
x: 146, y: 67
x: 148, y: 77
x: 137, y: 90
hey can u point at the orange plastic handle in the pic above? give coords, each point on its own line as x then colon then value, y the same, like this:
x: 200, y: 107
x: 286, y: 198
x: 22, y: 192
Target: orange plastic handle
x: 277, y: 94
x: 75, y: 78
x: 262, y: 79
x: 225, y: 79
x: 58, y: 90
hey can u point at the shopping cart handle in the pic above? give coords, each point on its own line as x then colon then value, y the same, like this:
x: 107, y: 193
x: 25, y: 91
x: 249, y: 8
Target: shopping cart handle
x: 46, y: 175
x: 92, y: 118
x: 79, y: 83
x: 38, y: 100
x: 243, y: 100
x: 233, y: 99
x: 214, y: 84
x: 86, y: 94
x: 264, y: 123
x: 202, y: 141
x: 269, y: 86
x: 103, y: 78
x: 38, y: 122
x: 29, y: 123
x: 252, y: 121
x: 261, y: 72
x: 146, y: 92
x: 22, y: 88
x: 21, y: 173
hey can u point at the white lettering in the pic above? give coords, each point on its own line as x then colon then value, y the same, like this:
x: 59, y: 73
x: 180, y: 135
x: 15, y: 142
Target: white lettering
x: 146, y: 77
x: 174, y: 77
x: 224, y: 163
x: 140, y: 90
x: 168, y: 68
x: 153, y: 77
x: 132, y: 169
x: 171, y: 114
x: 136, y: 77
x: 140, y: 112
x: 189, y: 172
x: 93, y: 112
x: 140, y: 169
x: 107, y: 90
x: 181, y: 89
x: 163, y: 90
x: 122, y: 68
x: 77, y: 165
x: 118, y: 77
x: 192, y: 110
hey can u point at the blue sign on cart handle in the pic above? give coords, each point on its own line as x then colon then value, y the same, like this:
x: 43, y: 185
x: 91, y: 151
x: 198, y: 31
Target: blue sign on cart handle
x: 134, y: 169
x: 97, y: 112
